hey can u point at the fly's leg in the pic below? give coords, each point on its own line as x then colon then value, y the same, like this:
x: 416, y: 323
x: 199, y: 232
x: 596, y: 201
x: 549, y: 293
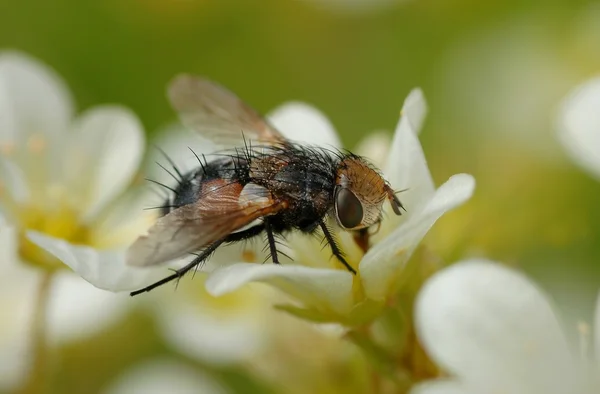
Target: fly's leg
x: 183, y: 270
x: 334, y: 247
x: 272, y: 242
x: 234, y: 237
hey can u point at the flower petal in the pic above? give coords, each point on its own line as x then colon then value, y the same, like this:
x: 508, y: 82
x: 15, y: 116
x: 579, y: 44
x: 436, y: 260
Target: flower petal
x: 18, y: 291
x: 375, y: 147
x: 304, y: 123
x: 125, y: 219
x: 33, y: 100
x: 216, y: 339
x: 164, y: 376
x: 579, y: 126
x: 492, y: 327
x: 322, y: 289
x: 415, y: 109
x: 12, y: 181
x: 381, y: 267
x: 106, y: 150
x: 105, y: 269
x: 441, y: 387
x: 406, y: 166
x: 77, y: 310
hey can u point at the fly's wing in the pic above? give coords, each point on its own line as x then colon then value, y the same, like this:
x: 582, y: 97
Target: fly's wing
x: 216, y: 113
x: 225, y: 208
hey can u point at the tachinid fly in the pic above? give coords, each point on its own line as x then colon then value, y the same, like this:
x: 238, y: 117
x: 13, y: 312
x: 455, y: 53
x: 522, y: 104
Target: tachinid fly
x: 266, y: 185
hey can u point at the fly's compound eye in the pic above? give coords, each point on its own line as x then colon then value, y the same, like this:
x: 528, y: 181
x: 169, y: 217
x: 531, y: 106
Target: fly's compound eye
x: 348, y: 208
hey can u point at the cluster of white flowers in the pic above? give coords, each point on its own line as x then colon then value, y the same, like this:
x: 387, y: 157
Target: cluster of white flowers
x: 326, y: 292
x: 68, y: 199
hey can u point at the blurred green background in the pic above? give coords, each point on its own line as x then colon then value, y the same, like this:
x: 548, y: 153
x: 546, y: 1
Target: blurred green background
x: 493, y: 72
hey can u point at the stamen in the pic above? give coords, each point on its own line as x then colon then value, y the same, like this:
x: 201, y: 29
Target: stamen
x: 36, y: 143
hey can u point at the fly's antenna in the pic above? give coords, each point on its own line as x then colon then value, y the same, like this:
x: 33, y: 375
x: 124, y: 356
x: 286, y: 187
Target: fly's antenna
x: 395, y: 201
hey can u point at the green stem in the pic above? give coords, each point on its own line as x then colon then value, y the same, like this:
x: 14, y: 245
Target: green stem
x: 36, y: 382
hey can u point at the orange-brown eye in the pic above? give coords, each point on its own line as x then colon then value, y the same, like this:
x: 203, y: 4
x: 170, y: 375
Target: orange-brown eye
x: 348, y: 208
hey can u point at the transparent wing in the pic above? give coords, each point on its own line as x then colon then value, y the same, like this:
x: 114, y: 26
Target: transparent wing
x: 227, y: 208
x: 216, y: 113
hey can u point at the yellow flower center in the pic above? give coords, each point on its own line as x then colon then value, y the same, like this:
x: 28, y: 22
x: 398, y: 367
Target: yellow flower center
x: 62, y: 223
x: 59, y: 221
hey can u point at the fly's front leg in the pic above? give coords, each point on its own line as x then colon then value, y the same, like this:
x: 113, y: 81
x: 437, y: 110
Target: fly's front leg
x: 334, y: 247
x: 272, y: 242
x: 183, y: 270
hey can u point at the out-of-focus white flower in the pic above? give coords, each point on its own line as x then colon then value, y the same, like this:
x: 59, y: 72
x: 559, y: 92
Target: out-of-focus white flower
x: 57, y: 178
x: 579, y: 126
x: 164, y: 376
x: 326, y: 290
x: 494, y: 331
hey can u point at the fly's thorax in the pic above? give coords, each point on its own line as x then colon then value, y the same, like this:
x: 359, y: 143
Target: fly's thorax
x: 359, y: 194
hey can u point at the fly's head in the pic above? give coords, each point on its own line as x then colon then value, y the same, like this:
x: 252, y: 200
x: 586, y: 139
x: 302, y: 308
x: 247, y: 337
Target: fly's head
x: 359, y: 195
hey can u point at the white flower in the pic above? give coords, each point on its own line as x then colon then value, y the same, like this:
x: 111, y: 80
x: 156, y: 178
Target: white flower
x: 57, y: 177
x: 494, y: 331
x: 579, y: 125
x: 326, y: 290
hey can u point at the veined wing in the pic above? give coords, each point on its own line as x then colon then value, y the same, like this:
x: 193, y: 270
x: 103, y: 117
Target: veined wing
x: 225, y: 208
x: 217, y: 113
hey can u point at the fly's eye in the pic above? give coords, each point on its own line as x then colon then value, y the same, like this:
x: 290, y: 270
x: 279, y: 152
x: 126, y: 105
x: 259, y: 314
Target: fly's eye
x: 348, y: 208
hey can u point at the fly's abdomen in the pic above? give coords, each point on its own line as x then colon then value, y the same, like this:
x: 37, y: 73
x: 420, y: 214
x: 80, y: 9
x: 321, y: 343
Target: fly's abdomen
x: 195, y: 183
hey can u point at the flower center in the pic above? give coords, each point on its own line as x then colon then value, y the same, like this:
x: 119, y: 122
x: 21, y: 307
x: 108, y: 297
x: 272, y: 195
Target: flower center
x: 47, y: 214
x: 61, y: 223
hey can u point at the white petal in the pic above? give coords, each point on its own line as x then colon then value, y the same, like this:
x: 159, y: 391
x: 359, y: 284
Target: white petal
x: 164, y: 376
x: 415, y: 109
x: 125, y: 219
x: 207, y: 336
x: 579, y: 125
x: 406, y: 166
x: 12, y: 181
x: 33, y: 99
x: 8, y: 245
x: 77, y: 310
x: 375, y: 147
x: 18, y: 293
x: 105, y: 269
x: 304, y: 123
x: 322, y: 289
x: 492, y: 327
x: 441, y: 387
x: 107, y: 148
x: 382, y: 266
